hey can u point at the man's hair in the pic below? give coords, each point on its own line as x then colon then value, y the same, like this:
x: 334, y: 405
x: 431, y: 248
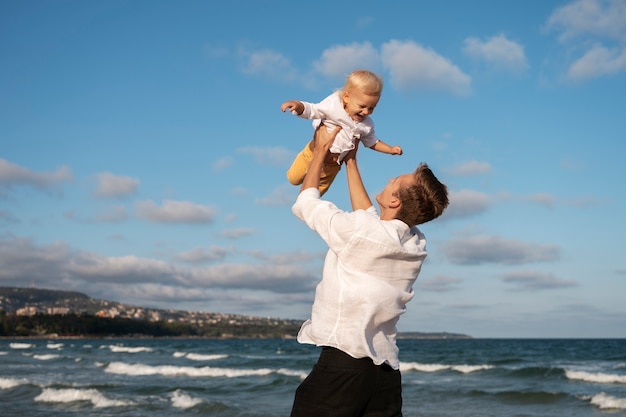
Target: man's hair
x: 366, y: 81
x: 424, y: 200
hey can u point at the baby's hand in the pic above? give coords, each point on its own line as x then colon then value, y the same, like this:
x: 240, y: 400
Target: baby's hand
x: 293, y: 106
x: 396, y: 150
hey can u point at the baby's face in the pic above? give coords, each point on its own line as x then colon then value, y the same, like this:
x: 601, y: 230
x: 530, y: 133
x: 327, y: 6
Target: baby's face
x: 358, y: 105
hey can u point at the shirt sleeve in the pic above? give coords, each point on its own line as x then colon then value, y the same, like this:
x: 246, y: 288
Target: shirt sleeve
x: 335, y: 226
x: 325, y: 109
x: 369, y: 139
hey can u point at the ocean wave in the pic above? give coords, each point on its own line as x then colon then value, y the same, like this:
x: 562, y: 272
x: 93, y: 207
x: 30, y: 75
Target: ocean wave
x: 54, y: 346
x: 597, y: 377
x: 126, y: 349
x: 537, y: 371
x: 21, y: 345
x: 8, y: 383
x: 199, y: 357
x: 184, y: 401
x: 289, y: 372
x: 47, y: 357
x: 523, y: 397
x: 70, y: 395
x: 4, y: 353
x: 425, y: 367
x: 122, y: 368
x: 606, y: 402
x: 169, y: 370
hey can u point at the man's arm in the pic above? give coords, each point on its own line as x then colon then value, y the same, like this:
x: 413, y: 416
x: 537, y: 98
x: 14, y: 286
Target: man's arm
x: 322, y: 141
x: 358, y: 195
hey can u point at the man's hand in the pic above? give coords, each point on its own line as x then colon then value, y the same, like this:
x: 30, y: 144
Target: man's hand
x: 323, y: 139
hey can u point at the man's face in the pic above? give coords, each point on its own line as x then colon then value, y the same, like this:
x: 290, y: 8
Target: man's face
x: 390, y: 194
x: 359, y: 105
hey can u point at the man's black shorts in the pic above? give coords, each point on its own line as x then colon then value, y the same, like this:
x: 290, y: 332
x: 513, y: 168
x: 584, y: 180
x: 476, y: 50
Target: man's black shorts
x: 342, y: 386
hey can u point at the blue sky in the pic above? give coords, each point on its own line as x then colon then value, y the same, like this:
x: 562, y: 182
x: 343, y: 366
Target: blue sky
x: 143, y: 153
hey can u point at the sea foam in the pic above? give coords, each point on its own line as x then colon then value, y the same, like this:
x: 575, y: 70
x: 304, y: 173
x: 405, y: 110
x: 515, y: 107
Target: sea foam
x: 46, y: 357
x: 21, y: 345
x: 424, y: 367
x: 125, y: 349
x: 604, y: 402
x: 180, y: 400
x: 598, y: 377
x: 122, y: 368
x: 199, y: 357
x: 8, y: 383
x: 51, y: 395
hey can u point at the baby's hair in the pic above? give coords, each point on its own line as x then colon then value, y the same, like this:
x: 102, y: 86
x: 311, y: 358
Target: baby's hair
x: 366, y: 81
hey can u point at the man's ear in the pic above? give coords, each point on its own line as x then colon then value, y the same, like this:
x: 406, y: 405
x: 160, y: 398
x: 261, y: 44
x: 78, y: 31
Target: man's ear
x: 395, y: 202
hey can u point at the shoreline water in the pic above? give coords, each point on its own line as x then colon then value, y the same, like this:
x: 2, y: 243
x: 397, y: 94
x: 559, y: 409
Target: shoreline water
x: 134, y: 377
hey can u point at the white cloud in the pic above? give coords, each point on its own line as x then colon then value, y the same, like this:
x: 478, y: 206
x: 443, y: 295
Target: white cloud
x: 471, y: 168
x: 439, y: 283
x: 237, y: 233
x: 12, y: 174
x: 113, y: 215
x: 200, y: 255
x: 476, y: 250
x: 57, y: 266
x: 466, y: 203
x: 222, y: 163
x: 544, y: 199
x: 283, y: 195
x: 174, y: 212
x: 111, y: 185
x: 602, y: 18
x: 121, y: 269
x: 536, y: 280
x: 598, y: 61
x: 270, y: 64
x: 598, y: 28
x: 275, y: 156
x: 341, y: 60
x: 498, y: 51
x: 412, y: 66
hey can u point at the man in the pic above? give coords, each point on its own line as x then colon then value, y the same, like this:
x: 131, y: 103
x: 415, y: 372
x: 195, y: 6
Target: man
x: 369, y: 271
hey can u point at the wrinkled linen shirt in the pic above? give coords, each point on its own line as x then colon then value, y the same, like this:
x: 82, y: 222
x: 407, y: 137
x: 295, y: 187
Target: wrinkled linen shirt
x: 330, y: 111
x: 367, y: 280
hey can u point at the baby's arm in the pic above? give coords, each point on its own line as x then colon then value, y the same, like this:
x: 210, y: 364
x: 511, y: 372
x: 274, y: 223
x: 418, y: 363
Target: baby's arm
x: 294, y: 106
x: 381, y: 146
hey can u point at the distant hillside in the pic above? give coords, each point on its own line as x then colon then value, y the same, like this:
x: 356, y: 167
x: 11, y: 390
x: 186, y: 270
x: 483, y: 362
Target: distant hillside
x: 38, y: 312
x: 13, y: 299
x: 51, y: 311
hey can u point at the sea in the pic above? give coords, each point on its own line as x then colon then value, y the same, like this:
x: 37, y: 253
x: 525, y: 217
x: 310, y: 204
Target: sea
x: 258, y: 378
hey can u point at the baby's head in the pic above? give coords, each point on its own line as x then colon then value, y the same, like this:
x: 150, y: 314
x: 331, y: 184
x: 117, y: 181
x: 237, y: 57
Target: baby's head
x: 365, y: 81
x: 361, y: 93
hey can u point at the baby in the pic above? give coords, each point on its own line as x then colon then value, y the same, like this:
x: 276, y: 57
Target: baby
x: 349, y: 108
